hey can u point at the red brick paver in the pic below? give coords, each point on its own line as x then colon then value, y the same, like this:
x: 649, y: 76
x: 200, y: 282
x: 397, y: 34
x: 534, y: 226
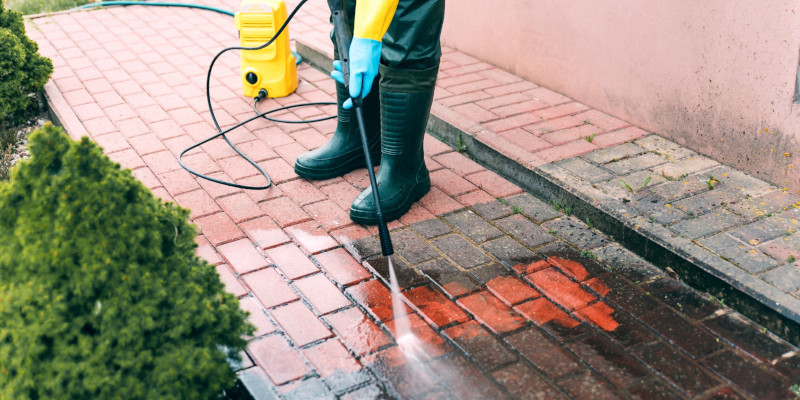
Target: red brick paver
x: 324, y: 316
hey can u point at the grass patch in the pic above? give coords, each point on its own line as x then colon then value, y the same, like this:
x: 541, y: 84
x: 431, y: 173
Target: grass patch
x: 27, y: 7
x: 710, y: 182
x: 632, y: 190
x: 562, y: 208
x: 460, y: 146
x: 795, y: 389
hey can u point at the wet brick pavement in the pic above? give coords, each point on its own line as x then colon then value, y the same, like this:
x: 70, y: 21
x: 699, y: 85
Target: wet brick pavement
x: 508, y: 296
x: 564, y: 151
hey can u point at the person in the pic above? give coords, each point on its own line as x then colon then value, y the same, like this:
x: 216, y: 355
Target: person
x: 394, y: 62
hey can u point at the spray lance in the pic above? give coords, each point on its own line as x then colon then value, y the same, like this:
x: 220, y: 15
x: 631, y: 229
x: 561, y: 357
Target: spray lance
x: 343, y: 37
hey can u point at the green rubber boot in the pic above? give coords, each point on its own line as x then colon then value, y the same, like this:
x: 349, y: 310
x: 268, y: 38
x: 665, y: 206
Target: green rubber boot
x: 403, y: 178
x: 343, y: 152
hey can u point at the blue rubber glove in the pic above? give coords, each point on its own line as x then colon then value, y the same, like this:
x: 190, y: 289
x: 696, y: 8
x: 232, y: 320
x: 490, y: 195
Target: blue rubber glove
x: 365, y: 56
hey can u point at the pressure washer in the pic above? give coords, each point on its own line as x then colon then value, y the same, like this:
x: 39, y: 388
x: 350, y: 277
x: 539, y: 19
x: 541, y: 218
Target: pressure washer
x: 272, y: 68
x: 268, y: 69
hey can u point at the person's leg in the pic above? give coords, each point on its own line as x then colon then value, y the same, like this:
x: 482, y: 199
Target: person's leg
x: 409, y: 66
x: 343, y: 152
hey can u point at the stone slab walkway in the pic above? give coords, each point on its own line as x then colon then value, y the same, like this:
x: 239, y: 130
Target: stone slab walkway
x: 508, y: 296
x: 719, y: 228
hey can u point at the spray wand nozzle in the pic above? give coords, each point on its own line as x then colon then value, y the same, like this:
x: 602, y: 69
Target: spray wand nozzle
x: 343, y: 36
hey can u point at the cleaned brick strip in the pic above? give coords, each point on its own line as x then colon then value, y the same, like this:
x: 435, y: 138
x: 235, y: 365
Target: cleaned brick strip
x: 281, y: 363
x: 323, y: 295
x: 270, y: 288
x: 492, y: 312
x: 242, y: 256
x: 300, y: 323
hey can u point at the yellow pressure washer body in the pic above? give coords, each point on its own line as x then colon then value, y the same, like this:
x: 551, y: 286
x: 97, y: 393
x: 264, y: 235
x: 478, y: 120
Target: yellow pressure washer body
x: 272, y: 68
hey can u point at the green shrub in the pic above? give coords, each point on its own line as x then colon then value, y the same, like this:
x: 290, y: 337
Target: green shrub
x: 22, y: 70
x: 101, y: 293
x: 27, y: 7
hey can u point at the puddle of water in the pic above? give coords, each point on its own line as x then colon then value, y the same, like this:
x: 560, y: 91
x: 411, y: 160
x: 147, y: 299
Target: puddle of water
x: 406, y: 340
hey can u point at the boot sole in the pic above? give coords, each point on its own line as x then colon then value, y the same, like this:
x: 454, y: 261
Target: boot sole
x: 319, y: 174
x: 369, y: 218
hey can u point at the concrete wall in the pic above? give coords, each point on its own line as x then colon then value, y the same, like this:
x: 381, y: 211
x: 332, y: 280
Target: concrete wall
x: 717, y: 76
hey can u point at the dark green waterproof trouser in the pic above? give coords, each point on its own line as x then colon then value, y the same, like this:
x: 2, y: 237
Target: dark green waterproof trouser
x: 411, y: 43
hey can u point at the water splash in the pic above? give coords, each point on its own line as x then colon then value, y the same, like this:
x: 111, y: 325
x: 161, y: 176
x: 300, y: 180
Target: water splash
x: 406, y: 340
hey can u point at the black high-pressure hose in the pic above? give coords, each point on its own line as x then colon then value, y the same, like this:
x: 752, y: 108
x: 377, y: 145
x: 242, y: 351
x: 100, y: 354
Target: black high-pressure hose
x: 343, y: 43
x: 261, y: 95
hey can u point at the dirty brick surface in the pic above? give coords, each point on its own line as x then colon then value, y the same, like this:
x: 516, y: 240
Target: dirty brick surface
x: 507, y: 296
x: 670, y: 195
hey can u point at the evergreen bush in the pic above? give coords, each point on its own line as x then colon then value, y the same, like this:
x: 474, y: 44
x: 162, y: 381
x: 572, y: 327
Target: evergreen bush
x: 102, y: 295
x: 22, y: 70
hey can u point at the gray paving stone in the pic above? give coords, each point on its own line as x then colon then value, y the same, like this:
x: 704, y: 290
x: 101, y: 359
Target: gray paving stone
x: 629, y: 265
x: 368, y: 392
x: 766, y: 229
x: 525, y: 231
x: 584, y: 170
x: 615, y: 153
x: 704, y: 202
x: 741, y: 181
x: 510, y: 252
x: 655, y: 207
x: 534, y: 208
x: 576, y: 232
x: 679, y: 189
x: 406, y: 275
x: 743, y: 255
x: 616, y: 189
x: 785, y: 277
x: 410, y: 246
x: 685, y: 166
x: 488, y: 272
x: 365, y: 248
x: 461, y: 252
x: 578, y: 186
x: 453, y: 281
x: 431, y: 228
x: 342, y: 381
x: 473, y: 226
x: 746, y: 336
x: 659, y: 145
x: 258, y: 384
x: 764, y: 205
x: 309, y: 389
x: 713, y: 222
x: 680, y: 297
x: 638, y: 163
x: 493, y: 210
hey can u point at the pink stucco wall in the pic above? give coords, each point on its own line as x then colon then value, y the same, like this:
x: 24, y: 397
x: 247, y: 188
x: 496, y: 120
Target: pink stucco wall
x: 717, y: 76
